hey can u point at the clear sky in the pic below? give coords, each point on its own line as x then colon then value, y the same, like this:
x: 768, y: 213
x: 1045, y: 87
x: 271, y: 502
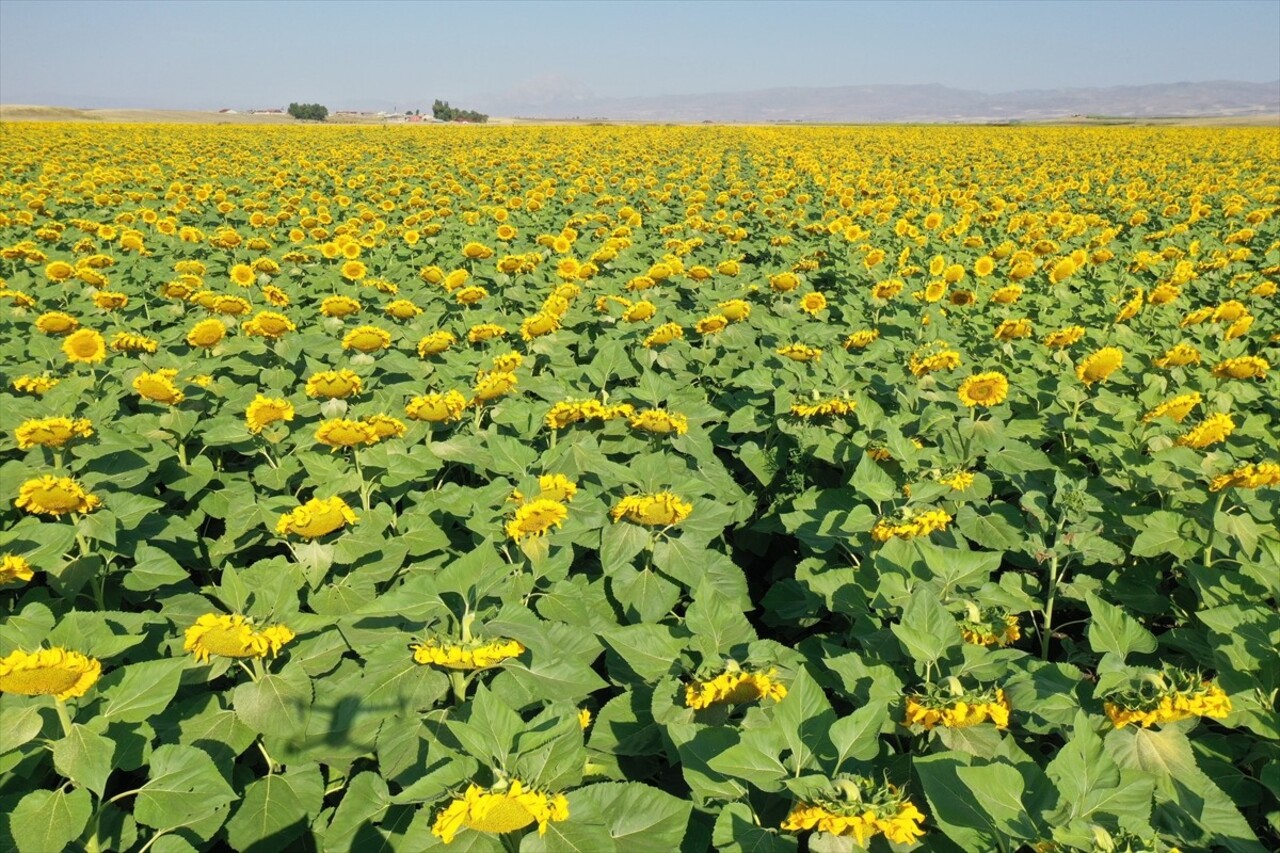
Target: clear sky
x: 235, y: 53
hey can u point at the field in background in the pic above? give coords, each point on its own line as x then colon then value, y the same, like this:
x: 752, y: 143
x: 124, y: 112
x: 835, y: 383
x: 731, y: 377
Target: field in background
x: 638, y: 488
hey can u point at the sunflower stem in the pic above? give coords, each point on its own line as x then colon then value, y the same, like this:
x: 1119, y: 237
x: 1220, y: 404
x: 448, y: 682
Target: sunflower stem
x: 364, y: 487
x: 272, y: 766
x: 1213, y: 528
x: 63, y: 717
x: 1047, y: 629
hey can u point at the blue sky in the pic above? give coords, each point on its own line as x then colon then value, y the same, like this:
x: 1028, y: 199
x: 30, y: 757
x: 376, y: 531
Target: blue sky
x: 206, y: 55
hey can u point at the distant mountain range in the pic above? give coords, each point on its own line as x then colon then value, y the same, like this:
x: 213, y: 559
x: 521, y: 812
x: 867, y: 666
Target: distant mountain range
x: 898, y: 103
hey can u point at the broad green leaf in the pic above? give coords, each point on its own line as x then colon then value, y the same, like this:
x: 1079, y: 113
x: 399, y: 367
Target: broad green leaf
x: 639, y: 818
x: 182, y: 786
x: 276, y: 704
x: 46, y: 821
x: 84, y: 757
x: 1113, y: 630
x: 139, y: 691
x: 927, y: 630
x: 274, y: 810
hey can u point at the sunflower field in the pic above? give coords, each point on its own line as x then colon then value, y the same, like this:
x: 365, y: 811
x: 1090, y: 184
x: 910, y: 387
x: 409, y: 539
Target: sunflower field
x: 639, y: 489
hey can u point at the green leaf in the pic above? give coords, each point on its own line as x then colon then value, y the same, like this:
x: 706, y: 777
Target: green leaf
x: 1000, y: 530
x: 1161, y: 534
x: 717, y: 625
x: 998, y: 788
x: 490, y: 730
x: 366, y: 799
x: 22, y: 721
x: 276, y: 704
x: 139, y: 691
x: 871, y: 481
x: 152, y: 569
x: 84, y: 757
x: 737, y: 831
x: 1081, y: 770
x: 1113, y: 630
x: 857, y: 736
x: 46, y: 821
x: 639, y: 818
x: 274, y: 810
x: 952, y: 802
x: 182, y: 786
x: 649, y: 650
x: 927, y: 630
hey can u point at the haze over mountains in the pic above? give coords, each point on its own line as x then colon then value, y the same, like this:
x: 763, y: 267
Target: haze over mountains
x: 556, y: 98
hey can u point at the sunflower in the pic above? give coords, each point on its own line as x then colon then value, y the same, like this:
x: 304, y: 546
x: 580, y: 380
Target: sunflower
x: 859, y: 808
x: 542, y: 323
x: 984, y: 389
x: 536, y: 518
x: 339, y: 433
x: 354, y: 270
x: 734, y: 686
x: 49, y: 495
x: 51, y: 432
x: 56, y: 323
x: 1245, y: 367
x: 59, y: 271
x: 52, y: 672
x: 1064, y: 337
x: 861, y: 339
x: 1179, y: 355
x: 384, y: 426
x: 1099, y: 365
x: 813, y: 303
x: 243, y: 275
x: 367, y: 339
x: 800, y: 352
x: 339, y: 306
x: 333, y: 384
x: 736, y: 310
x: 1250, y: 476
x: 264, y: 411
x: 711, y: 324
x: 784, y: 282
x: 436, y: 343
x: 1177, y: 408
x: 402, y: 309
x: 216, y: 634
x: 639, y: 312
x: 659, y: 421
x: 207, y: 333
x: 129, y: 342
x: 505, y: 808
x: 662, y: 509
x: 34, y: 384
x: 436, y: 407
x: 316, y: 518
x: 471, y: 295
x: 491, y: 386
x: 14, y: 567
x: 269, y: 324
x: 488, y: 331
x: 85, y: 345
x: 477, y: 251
x: 475, y: 654
x: 1213, y: 430
x: 663, y: 335
x: 158, y: 387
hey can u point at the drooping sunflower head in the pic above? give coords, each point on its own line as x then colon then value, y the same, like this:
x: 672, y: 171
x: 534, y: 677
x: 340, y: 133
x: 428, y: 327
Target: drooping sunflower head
x: 56, y: 496
x: 504, y: 808
x: 316, y: 518
x: 234, y: 636
x: 54, y: 672
x: 662, y: 509
x: 1099, y: 365
x: 158, y: 387
x: 264, y: 411
x: 536, y: 518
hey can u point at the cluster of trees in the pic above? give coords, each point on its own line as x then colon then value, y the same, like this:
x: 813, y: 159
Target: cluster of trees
x: 441, y: 110
x: 309, y: 112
